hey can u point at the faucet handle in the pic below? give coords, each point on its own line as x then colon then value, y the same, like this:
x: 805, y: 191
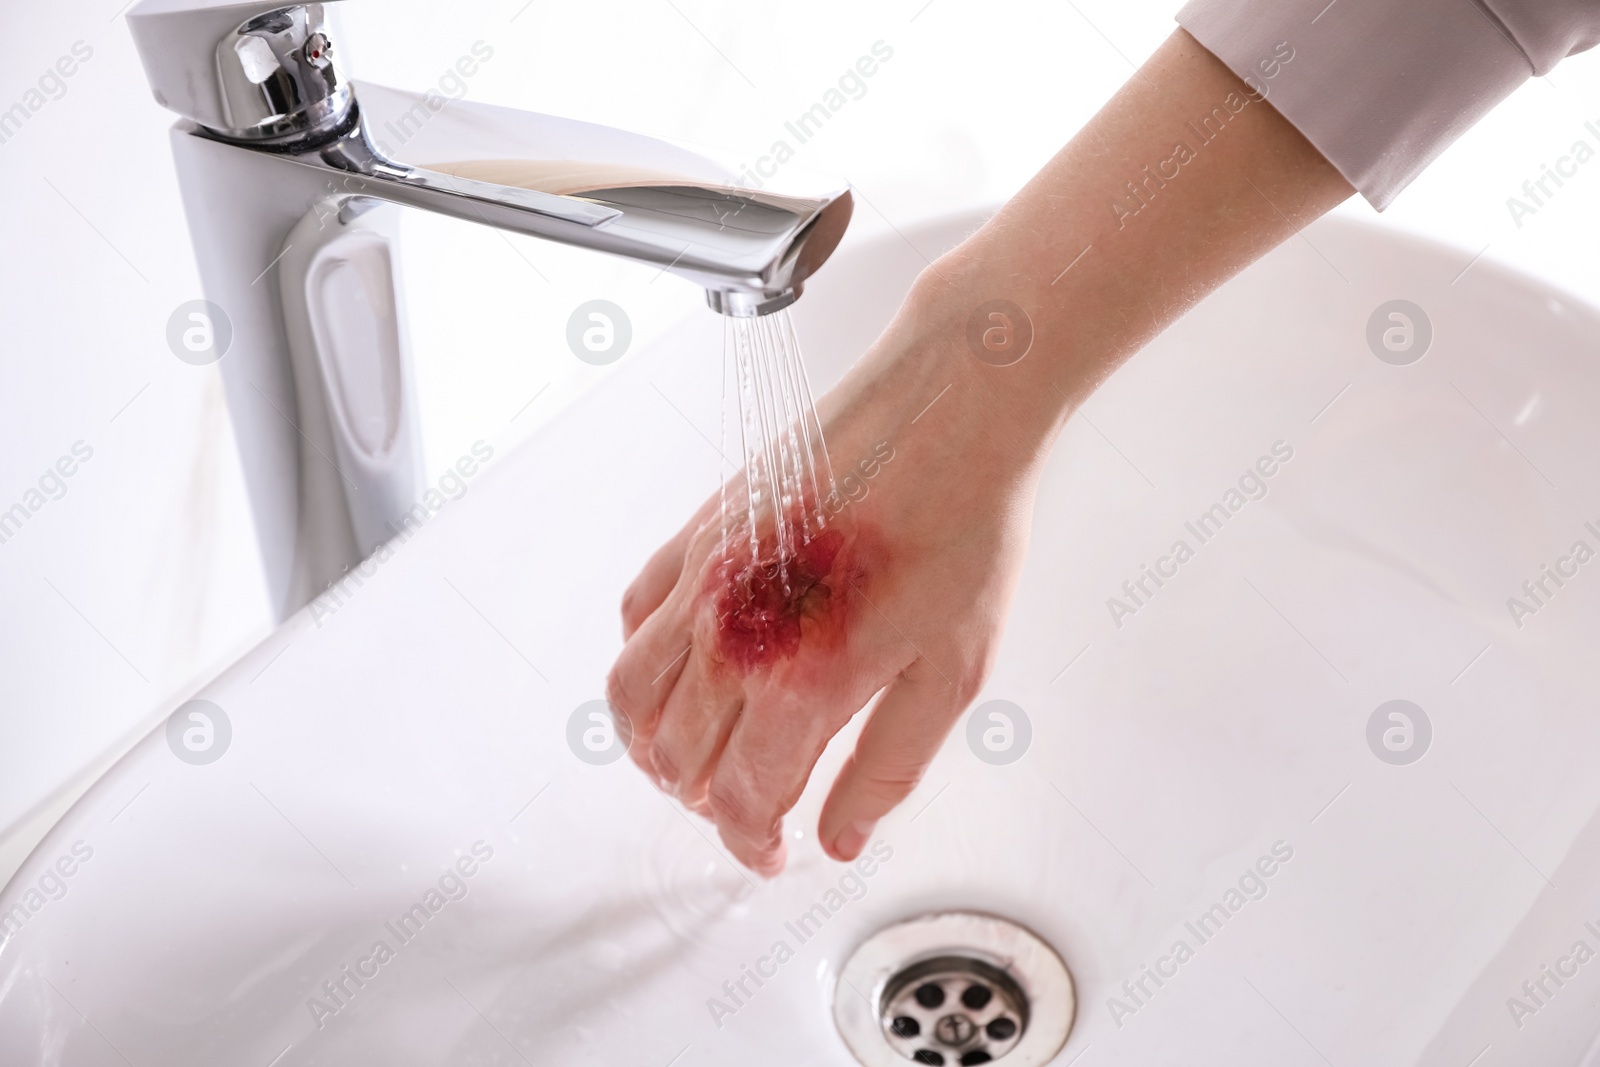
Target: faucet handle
x: 257, y: 72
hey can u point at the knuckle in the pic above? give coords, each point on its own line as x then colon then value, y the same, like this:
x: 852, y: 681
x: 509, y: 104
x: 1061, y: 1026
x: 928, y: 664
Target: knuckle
x: 628, y: 685
x: 695, y: 800
x: 895, y: 781
x: 887, y: 783
x: 734, y: 811
x: 617, y: 689
x: 630, y: 605
x: 971, y: 675
x: 666, y: 767
x: 967, y: 689
x: 621, y: 693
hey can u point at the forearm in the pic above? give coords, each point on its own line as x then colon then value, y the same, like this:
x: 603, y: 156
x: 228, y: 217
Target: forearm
x: 1181, y: 180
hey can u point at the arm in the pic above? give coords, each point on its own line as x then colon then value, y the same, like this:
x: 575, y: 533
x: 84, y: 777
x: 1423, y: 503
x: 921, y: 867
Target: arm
x: 1160, y: 219
x: 909, y: 602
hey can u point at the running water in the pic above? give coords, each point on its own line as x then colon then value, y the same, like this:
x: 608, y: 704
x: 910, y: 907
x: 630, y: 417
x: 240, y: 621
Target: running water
x: 788, y: 480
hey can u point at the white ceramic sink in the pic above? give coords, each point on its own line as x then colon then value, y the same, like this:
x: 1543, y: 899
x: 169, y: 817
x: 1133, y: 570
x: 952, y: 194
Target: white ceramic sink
x: 423, y: 725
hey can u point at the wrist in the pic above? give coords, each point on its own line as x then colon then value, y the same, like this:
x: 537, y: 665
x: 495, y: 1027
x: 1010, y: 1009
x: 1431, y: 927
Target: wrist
x: 1012, y: 367
x: 916, y: 393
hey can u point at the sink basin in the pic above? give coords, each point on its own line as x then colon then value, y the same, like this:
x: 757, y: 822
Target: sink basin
x: 399, y: 859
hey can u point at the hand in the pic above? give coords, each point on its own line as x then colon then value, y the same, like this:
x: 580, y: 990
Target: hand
x: 905, y: 591
x: 733, y: 689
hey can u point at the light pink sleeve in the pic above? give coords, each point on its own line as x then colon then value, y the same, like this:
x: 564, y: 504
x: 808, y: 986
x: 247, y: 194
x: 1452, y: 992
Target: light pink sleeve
x: 1381, y: 87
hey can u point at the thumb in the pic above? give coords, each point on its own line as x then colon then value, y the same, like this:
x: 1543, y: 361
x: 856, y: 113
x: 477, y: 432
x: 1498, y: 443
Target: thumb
x: 903, y: 733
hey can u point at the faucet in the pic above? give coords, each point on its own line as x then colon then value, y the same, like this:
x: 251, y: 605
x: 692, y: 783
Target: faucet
x: 291, y: 195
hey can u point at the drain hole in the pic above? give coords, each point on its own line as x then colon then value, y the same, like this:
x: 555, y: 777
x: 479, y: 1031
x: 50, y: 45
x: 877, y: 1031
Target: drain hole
x: 1001, y: 1029
x: 953, y: 1006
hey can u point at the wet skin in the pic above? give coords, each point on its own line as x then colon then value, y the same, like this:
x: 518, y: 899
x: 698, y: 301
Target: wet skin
x: 764, y: 611
x: 777, y: 660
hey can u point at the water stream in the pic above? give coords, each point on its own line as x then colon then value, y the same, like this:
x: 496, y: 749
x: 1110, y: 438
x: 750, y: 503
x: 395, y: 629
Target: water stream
x: 787, y: 477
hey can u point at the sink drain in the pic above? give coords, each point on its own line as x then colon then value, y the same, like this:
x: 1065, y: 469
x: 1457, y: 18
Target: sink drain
x: 953, y: 1009
x: 954, y: 988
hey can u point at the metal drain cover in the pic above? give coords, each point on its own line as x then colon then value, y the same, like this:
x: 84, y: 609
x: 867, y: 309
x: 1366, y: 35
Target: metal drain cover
x: 954, y: 988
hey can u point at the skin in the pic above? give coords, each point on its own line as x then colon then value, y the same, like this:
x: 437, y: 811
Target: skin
x: 910, y: 610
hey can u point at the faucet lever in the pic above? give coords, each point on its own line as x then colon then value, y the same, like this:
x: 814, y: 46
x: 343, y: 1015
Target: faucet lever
x: 258, y: 72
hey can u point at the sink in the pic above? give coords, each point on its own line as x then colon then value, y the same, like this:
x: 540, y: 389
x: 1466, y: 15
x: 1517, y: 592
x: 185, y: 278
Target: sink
x: 1216, y: 762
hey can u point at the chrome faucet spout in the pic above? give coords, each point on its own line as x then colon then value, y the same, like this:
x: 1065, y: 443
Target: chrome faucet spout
x: 751, y: 251
x: 285, y: 163
x: 264, y: 78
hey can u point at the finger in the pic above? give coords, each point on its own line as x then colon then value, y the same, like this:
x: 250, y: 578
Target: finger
x: 693, y: 728
x: 901, y: 736
x: 661, y: 572
x: 655, y: 582
x: 763, y: 769
x: 643, y: 677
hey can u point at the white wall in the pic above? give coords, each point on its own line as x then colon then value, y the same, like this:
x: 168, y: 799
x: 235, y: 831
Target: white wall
x: 141, y: 581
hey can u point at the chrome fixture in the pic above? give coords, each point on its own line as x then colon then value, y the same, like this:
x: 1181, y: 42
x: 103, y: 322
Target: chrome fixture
x: 277, y: 80
x: 269, y: 83
x: 954, y: 988
x: 959, y: 1008
x: 275, y: 140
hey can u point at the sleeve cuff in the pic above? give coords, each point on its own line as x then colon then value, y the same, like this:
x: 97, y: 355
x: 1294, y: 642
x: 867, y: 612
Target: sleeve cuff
x: 1379, y: 88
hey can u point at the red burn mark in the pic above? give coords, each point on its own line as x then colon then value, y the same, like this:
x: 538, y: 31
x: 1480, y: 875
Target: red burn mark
x: 758, y: 619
